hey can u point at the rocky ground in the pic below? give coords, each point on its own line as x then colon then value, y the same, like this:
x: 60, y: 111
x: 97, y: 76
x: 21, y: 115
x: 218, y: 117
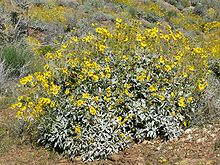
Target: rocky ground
x: 197, y: 146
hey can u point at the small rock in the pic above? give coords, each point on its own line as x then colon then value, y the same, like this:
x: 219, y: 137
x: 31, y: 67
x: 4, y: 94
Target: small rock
x: 204, y: 130
x: 170, y: 148
x: 163, y: 161
x: 200, y: 140
x: 78, y: 158
x: 188, y: 131
x: 158, y: 148
x: 114, y: 158
x: 140, y: 161
x: 189, y: 137
x: 213, y: 135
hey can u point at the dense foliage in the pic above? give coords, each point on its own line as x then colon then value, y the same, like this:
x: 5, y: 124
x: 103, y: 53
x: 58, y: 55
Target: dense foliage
x: 101, y: 91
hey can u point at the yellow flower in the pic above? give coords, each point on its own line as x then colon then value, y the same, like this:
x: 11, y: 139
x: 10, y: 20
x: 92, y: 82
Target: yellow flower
x: 167, y: 68
x: 90, y: 73
x: 118, y: 20
x: 13, y: 106
x: 173, y: 113
x: 107, y: 69
x: 119, y: 118
x: 182, y: 99
x: 128, y: 86
x: 74, y: 39
x: 46, y: 66
x: 126, y: 39
x: 102, y: 48
x: 139, y: 38
x: 67, y: 92
x: 190, y: 99
x: 191, y: 68
x: 125, y: 57
x: 30, y: 105
x: 181, y: 102
x: 88, y: 38
x: 92, y: 111
x: 77, y: 129
x: 64, y: 70
x: 86, y: 95
x: 108, y: 75
x: 108, y: 94
x: 102, y: 74
x: 55, y: 89
x: 126, y: 92
x: 23, y: 108
x: 177, y: 58
x: 67, y: 83
x: 96, y: 98
x: 143, y: 44
x: 25, y: 80
x: 19, y: 114
x: 95, y: 78
x: 107, y: 98
x: 79, y: 103
x: 122, y: 135
x: 64, y: 46
x: 201, y: 87
x: 161, y: 59
x: 152, y: 88
x: 107, y: 59
x: 52, y: 104
x: 185, y: 74
x: 20, y: 98
x: 148, y: 78
x: 161, y: 97
x: 19, y: 104
x: 44, y: 101
x: 28, y: 98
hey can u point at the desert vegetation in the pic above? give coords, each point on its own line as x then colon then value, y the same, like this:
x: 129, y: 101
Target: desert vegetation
x: 88, y: 78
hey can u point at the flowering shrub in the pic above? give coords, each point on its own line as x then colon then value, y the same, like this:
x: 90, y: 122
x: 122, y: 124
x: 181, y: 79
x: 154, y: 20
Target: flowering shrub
x: 99, y: 92
x: 44, y: 13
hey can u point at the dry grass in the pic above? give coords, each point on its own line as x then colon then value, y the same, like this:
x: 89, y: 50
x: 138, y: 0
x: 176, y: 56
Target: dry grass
x: 15, y: 147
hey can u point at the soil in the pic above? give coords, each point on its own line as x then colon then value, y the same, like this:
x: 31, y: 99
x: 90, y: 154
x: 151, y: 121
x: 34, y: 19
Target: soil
x: 197, y: 146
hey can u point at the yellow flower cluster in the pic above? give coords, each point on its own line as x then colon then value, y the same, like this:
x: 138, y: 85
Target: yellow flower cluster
x: 26, y: 80
x: 52, y: 14
x: 101, y: 69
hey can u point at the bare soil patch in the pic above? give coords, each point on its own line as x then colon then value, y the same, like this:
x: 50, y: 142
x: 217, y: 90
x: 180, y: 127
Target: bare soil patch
x: 197, y: 146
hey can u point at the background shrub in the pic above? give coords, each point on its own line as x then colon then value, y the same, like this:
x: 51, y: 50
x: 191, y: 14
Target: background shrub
x: 200, y: 9
x: 152, y: 17
x: 100, y: 16
x: 17, y: 59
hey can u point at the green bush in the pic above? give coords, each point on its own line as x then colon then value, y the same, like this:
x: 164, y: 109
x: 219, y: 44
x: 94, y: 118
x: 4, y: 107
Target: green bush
x: 4, y: 74
x: 200, y: 9
x: 185, y: 3
x: 172, y: 2
x: 101, y: 91
x: 132, y: 11
x: 100, y: 16
x: 152, y: 17
x: 18, y: 59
